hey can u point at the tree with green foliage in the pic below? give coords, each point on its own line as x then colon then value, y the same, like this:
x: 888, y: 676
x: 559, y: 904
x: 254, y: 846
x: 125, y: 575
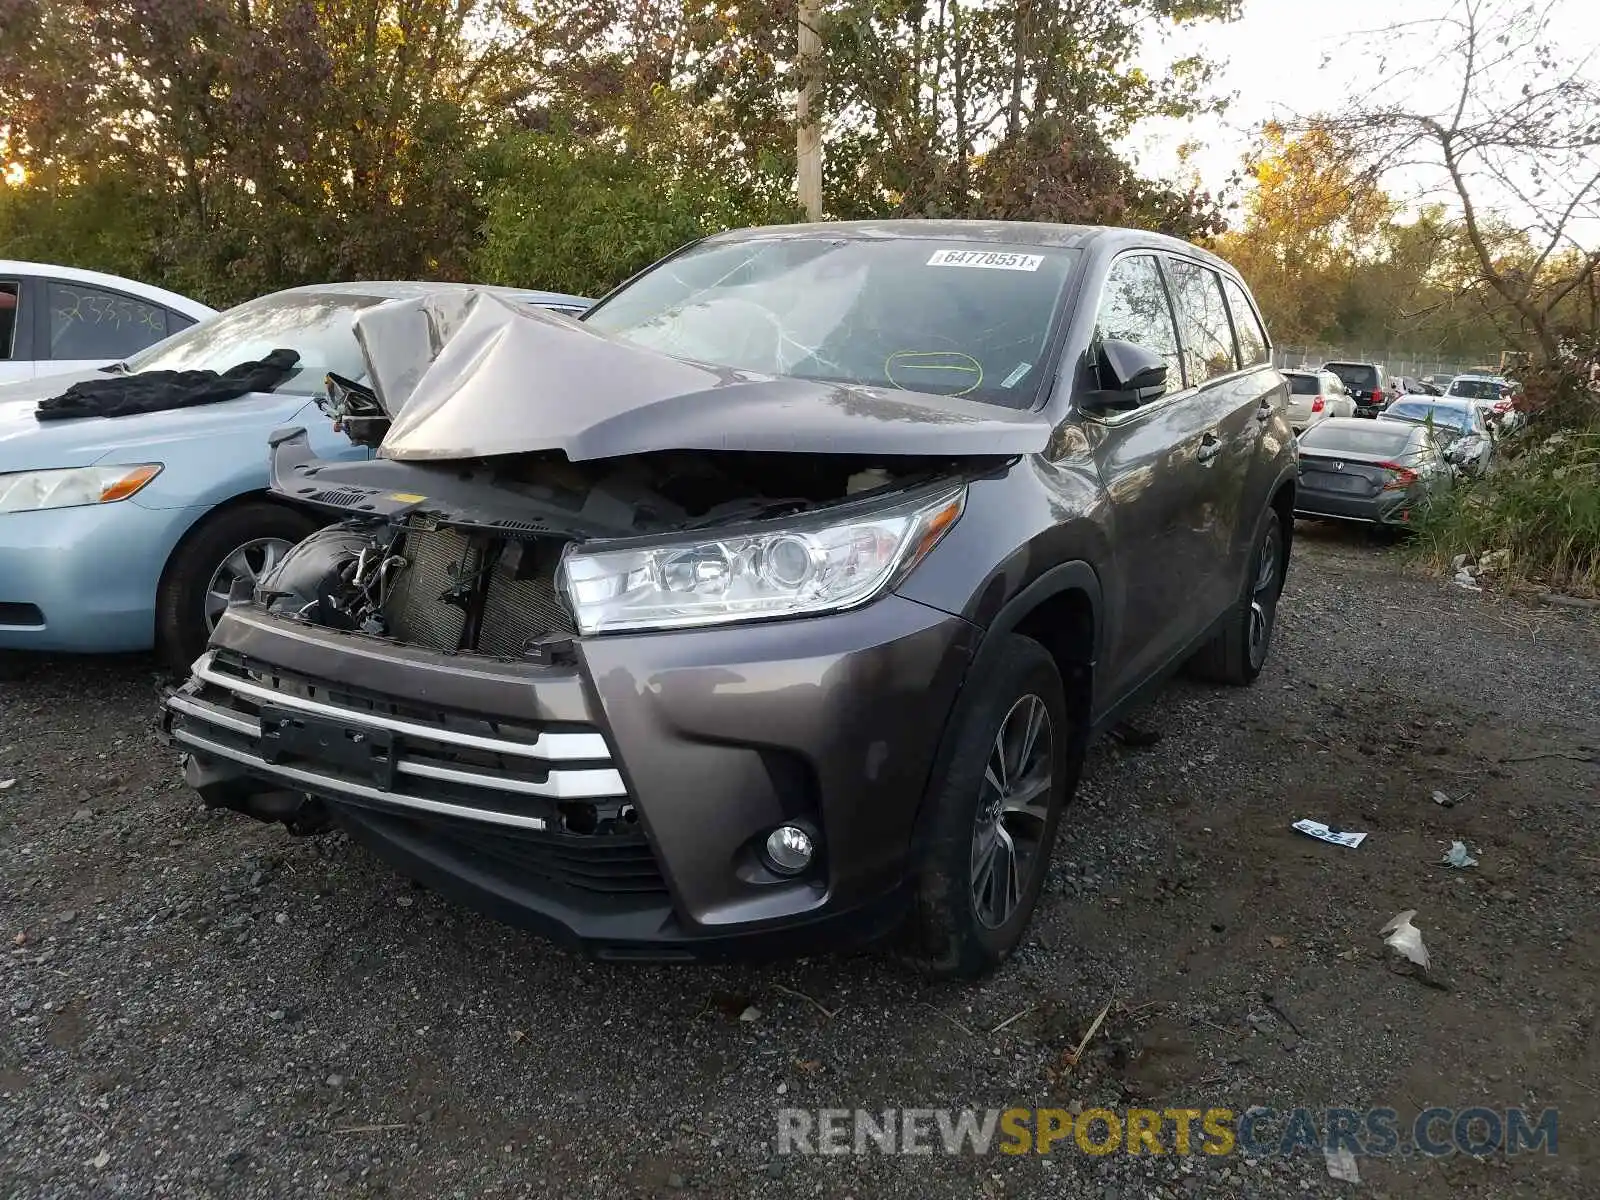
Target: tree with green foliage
x: 229, y: 147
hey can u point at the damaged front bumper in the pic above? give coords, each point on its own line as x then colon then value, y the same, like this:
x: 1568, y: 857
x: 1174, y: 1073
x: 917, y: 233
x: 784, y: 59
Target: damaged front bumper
x: 617, y: 799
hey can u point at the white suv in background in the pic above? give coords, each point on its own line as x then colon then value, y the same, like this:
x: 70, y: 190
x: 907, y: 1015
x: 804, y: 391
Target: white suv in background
x: 1314, y: 396
x: 55, y: 319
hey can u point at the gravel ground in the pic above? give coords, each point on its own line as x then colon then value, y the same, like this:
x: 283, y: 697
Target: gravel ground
x: 197, y: 1005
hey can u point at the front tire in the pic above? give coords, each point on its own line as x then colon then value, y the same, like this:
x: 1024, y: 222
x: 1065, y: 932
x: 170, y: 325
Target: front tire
x: 991, y: 819
x: 1238, y: 651
x: 244, y: 541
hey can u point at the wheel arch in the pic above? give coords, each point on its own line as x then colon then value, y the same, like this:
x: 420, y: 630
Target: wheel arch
x: 232, y: 502
x: 1061, y: 610
x: 1283, y: 502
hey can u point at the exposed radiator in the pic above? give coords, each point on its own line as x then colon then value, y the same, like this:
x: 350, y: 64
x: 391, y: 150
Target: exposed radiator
x: 515, y: 611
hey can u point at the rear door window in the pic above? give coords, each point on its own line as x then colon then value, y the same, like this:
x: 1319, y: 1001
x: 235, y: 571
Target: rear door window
x: 1373, y: 437
x: 1356, y: 376
x: 93, y: 324
x: 1204, y: 330
x: 1246, y: 325
x: 10, y: 312
x: 1134, y: 308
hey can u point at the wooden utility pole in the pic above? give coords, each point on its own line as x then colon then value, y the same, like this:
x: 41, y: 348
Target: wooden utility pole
x: 807, y: 119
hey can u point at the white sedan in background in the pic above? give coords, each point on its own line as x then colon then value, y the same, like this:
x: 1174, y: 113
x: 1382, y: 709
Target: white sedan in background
x: 57, y: 319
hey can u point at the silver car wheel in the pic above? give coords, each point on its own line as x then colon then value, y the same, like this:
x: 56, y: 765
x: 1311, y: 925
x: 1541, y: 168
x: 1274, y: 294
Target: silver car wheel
x: 1013, y: 807
x: 249, y: 562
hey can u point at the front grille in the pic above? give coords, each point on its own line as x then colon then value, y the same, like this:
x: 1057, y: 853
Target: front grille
x: 519, y: 603
x: 555, y: 779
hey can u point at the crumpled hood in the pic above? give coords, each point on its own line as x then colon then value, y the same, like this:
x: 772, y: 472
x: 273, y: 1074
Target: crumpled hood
x: 470, y: 376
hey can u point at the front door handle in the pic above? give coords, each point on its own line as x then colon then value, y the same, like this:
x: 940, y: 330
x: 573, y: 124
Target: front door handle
x: 1210, y: 447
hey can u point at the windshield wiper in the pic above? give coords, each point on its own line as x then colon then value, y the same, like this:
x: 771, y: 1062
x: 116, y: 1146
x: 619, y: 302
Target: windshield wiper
x: 116, y: 368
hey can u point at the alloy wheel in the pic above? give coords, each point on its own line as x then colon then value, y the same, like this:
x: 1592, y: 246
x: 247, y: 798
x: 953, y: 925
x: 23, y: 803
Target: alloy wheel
x: 1264, y: 592
x: 249, y: 562
x: 1013, y: 807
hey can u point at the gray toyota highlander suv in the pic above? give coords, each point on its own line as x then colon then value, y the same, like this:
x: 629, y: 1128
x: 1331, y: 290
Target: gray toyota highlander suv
x: 770, y: 606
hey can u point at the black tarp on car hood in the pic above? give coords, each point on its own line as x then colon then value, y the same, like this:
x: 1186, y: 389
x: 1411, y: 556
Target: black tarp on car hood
x: 466, y: 375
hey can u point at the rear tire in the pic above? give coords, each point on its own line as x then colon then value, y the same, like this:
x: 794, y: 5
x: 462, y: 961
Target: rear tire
x: 1238, y: 651
x: 245, y: 530
x: 991, y: 819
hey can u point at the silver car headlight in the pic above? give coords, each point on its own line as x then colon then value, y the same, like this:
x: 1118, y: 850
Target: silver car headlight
x: 72, y: 487
x: 796, y: 569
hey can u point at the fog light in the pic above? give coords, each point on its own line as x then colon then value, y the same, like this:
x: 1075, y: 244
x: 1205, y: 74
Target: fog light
x: 789, y: 849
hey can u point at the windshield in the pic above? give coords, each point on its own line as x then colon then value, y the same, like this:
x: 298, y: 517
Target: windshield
x: 317, y: 325
x: 915, y: 314
x: 1357, y: 376
x: 1476, y: 389
x: 1445, y: 417
x: 1371, y: 438
x: 1303, y: 385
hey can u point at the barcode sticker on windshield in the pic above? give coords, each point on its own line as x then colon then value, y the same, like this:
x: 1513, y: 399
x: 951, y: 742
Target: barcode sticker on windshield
x: 989, y: 260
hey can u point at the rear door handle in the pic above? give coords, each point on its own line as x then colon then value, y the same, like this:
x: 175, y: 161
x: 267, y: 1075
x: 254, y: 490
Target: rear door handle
x: 1210, y: 447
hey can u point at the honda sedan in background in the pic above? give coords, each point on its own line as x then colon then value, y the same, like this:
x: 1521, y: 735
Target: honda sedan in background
x: 127, y: 532
x: 1380, y: 473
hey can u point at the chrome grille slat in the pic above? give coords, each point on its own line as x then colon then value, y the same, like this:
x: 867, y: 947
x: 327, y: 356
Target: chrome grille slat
x: 315, y: 780
x: 548, y: 813
x: 590, y: 784
x: 593, y: 784
x: 549, y: 747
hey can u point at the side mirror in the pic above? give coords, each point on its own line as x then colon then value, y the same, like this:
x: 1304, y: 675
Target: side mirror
x: 1138, y: 376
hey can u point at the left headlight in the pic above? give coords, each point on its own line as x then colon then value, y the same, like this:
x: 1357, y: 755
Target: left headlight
x: 792, y: 570
x: 30, y: 491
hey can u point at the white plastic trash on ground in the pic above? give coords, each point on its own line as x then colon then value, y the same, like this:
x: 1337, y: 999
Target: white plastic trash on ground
x: 1326, y: 833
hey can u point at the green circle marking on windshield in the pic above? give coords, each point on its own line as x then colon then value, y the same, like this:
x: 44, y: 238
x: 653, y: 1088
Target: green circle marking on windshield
x: 936, y: 371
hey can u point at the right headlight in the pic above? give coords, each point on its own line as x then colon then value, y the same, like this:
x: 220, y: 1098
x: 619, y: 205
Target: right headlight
x: 794, y: 569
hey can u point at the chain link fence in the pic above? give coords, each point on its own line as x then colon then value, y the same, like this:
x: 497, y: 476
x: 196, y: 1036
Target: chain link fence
x: 1394, y: 363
